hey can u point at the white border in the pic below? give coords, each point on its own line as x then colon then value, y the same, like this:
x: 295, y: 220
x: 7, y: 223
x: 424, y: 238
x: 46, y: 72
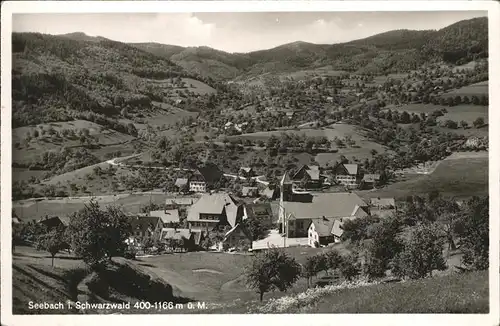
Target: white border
x: 8, y: 8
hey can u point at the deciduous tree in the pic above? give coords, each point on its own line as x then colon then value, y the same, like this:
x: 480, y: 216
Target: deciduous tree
x: 272, y: 270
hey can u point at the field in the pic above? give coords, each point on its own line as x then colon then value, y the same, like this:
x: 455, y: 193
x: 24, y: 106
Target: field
x: 131, y: 203
x: 477, y: 89
x: 25, y: 155
x: 467, y: 293
x: 455, y: 177
x: 216, y: 279
x: 169, y: 116
x: 35, y: 280
x: 191, y: 85
x: 465, y: 112
x: 361, y: 150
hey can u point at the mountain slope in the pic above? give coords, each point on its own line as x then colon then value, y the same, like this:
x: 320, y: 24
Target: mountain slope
x: 60, y: 78
x: 393, y: 51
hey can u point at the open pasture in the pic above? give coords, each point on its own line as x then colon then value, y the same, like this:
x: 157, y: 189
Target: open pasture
x: 477, y: 89
x: 460, y: 177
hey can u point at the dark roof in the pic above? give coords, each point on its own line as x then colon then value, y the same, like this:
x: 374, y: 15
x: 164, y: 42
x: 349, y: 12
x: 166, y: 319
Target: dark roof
x: 323, y: 226
x: 259, y: 210
x: 210, y: 173
x: 351, y: 169
x: 144, y: 223
x: 312, y: 171
x: 237, y: 227
x: 55, y: 221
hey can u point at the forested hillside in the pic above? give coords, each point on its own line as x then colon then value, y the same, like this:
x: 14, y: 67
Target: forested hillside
x: 59, y: 78
x: 394, y: 51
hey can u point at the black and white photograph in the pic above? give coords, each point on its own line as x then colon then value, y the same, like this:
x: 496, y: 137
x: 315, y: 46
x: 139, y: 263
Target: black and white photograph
x: 248, y: 162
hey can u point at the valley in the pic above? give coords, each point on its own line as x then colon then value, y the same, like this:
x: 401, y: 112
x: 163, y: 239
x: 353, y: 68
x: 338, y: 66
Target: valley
x: 148, y: 171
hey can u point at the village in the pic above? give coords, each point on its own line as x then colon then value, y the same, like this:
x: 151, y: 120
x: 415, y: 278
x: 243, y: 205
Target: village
x: 300, y: 211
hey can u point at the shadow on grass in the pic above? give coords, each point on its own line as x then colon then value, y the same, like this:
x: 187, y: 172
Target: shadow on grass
x: 138, y: 284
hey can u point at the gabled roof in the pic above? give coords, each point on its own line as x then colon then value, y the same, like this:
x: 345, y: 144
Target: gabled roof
x: 286, y: 178
x: 325, y: 204
x: 351, y: 168
x: 359, y: 212
x: 179, y: 182
x: 167, y: 216
x: 311, y: 170
x: 323, y: 226
x: 55, y: 221
x: 215, y: 203
x: 210, y: 173
x: 337, y: 228
x: 258, y: 209
x: 246, y: 169
x: 144, y: 223
x: 313, y: 173
x: 237, y: 227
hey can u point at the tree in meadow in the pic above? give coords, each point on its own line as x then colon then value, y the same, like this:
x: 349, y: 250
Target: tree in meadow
x: 272, y: 270
x: 53, y: 241
x: 98, y: 234
x: 422, y: 252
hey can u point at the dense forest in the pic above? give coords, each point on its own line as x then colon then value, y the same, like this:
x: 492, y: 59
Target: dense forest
x: 394, y: 51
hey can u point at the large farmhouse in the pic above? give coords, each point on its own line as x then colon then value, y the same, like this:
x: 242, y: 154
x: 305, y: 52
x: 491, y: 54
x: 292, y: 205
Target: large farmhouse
x: 347, y: 175
x: 204, y: 178
x: 308, y: 176
x: 215, y: 210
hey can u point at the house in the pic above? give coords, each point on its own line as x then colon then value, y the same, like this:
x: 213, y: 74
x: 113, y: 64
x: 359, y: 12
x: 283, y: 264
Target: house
x: 236, y: 237
x: 246, y: 172
x: 347, y: 174
x: 320, y: 232
x: 261, y: 211
x: 184, y: 237
x: 250, y: 192
x: 204, y: 178
x: 168, y: 217
x: 215, y: 210
x: 383, y: 203
x: 370, y: 181
x: 308, y: 176
x: 297, y: 216
x: 145, y: 227
x: 179, y: 202
x: 383, y: 207
x: 54, y: 222
x: 181, y: 183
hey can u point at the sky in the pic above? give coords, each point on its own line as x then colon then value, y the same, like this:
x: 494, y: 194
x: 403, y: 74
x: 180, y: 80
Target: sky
x: 237, y: 32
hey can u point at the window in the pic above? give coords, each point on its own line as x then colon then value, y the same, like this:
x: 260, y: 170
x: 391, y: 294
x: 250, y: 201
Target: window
x: 310, y: 234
